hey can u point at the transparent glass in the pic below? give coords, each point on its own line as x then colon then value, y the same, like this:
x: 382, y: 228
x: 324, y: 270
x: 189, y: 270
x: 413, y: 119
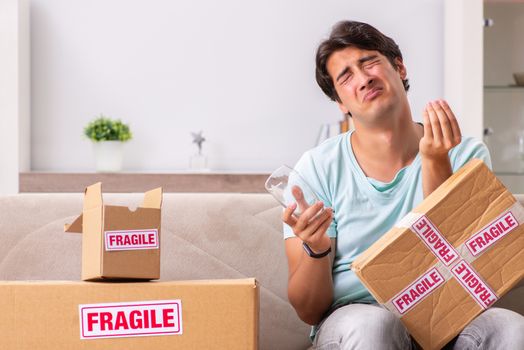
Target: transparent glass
x: 287, y: 185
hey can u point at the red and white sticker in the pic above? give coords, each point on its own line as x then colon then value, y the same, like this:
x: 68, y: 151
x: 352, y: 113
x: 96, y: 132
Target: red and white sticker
x: 490, y: 234
x: 434, y: 240
x: 133, y: 319
x: 418, y: 290
x: 131, y: 239
x: 469, y: 279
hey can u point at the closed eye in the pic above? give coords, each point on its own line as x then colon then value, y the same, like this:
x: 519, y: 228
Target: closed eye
x: 346, y: 78
x: 371, y: 63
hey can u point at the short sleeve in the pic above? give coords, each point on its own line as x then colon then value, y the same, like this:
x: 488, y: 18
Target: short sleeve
x: 312, y: 173
x: 468, y: 149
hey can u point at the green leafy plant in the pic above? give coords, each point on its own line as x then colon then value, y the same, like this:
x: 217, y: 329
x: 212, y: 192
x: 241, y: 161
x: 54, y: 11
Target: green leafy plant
x: 106, y: 129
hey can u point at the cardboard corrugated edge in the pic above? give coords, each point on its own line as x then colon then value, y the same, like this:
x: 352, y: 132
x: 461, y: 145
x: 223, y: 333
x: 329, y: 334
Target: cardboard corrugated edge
x: 440, y: 192
x: 92, y: 225
x: 256, y: 315
x: 248, y: 281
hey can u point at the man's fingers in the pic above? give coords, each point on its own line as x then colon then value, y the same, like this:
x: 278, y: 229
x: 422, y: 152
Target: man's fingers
x: 314, y: 224
x: 428, y: 133
x: 306, y: 216
x: 324, y: 226
x: 457, y: 134
x: 435, y: 124
x: 299, y: 196
x: 318, y: 234
x: 287, y: 215
x: 445, y: 125
x: 441, y: 124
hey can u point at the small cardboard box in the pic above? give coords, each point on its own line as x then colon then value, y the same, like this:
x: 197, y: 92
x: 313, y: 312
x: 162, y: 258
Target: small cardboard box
x: 213, y: 314
x: 449, y: 259
x: 118, y: 243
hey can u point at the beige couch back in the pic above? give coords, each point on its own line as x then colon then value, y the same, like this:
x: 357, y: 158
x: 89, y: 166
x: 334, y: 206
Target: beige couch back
x: 204, y: 236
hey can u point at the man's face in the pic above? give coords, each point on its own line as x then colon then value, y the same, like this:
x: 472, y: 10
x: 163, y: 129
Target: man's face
x: 367, y: 84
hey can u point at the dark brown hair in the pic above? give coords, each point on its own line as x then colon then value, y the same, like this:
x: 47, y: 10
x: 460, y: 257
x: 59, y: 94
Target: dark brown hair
x: 357, y: 34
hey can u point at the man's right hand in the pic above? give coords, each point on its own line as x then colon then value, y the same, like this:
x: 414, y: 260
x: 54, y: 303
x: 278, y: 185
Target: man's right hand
x: 310, y: 281
x: 312, y: 224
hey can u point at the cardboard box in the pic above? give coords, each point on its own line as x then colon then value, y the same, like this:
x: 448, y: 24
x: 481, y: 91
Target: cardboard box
x: 449, y: 259
x: 220, y: 314
x: 118, y: 243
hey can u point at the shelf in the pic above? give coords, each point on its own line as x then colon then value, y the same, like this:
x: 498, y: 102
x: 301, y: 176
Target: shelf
x: 140, y: 182
x: 504, y: 88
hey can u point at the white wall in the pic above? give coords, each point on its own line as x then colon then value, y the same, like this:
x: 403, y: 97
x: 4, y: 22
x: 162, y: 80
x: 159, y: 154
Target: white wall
x: 14, y: 93
x: 242, y: 71
x: 463, y: 63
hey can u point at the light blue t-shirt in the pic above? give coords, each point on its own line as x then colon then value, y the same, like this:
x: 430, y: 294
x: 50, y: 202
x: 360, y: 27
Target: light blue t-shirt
x: 364, y: 208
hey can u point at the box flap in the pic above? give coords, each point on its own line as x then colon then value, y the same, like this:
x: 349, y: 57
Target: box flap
x: 153, y: 199
x: 93, y: 196
x: 76, y: 226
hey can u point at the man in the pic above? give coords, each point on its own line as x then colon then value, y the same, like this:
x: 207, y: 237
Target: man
x: 366, y: 181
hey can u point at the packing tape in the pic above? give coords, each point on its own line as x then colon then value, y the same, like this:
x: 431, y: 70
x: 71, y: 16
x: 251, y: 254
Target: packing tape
x: 458, y: 267
x: 408, y: 220
x: 488, y: 239
x: 465, y: 253
x: 419, y: 289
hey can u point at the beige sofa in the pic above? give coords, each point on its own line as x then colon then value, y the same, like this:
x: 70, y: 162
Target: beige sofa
x: 204, y: 236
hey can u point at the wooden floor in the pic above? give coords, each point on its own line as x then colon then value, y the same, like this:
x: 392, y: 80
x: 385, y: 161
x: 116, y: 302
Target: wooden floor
x: 140, y: 182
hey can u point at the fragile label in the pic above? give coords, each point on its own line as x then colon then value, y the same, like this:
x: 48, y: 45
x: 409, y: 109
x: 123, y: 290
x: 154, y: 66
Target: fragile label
x: 490, y: 234
x: 134, y: 319
x: 434, y: 240
x: 418, y: 290
x: 131, y: 239
x: 469, y: 279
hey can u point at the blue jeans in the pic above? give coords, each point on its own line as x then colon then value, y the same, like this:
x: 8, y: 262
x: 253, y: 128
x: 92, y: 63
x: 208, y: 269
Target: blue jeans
x: 369, y: 326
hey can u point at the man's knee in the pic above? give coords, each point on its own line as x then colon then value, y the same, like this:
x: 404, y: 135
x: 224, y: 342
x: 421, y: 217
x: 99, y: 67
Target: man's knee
x: 365, y: 326
x: 496, y: 328
x: 504, y: 322
x: 375, y: 321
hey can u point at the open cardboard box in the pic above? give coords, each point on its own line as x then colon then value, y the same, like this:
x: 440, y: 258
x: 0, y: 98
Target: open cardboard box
x: 449, y: 259
x: 118, y: 243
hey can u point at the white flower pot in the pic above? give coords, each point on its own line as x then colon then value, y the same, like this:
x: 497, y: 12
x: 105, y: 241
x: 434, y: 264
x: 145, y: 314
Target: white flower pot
x: 108, y: 156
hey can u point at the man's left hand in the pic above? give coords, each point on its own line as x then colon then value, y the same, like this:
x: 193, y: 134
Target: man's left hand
x: 441, y: 131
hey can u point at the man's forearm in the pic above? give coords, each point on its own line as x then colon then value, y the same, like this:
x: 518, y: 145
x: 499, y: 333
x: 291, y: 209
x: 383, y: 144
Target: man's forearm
x: 310, y: 288
x: 434, y: 173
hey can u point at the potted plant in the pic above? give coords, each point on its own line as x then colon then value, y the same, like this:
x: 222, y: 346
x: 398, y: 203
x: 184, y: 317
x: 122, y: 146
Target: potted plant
x: 108, y: 136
